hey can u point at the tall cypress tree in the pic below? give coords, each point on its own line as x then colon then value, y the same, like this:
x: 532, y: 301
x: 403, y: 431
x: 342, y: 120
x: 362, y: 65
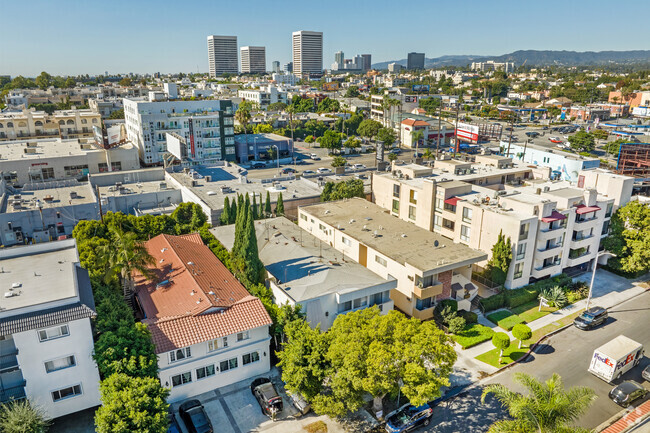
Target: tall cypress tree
x: 267, y: 205
x: 252, y: 265
x: 254, y: 208
x: 279, y: 207
x: 225, y: 213
x: 240, y: 225
x: 233, y: 212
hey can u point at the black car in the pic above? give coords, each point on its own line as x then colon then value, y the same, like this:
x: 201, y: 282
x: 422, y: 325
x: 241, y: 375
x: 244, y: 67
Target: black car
x: 258, y: 165
x: 532, y: 134
x: 593, y: 317
x: 194, y: 417
x: 173, y: 426
x: 288, y: 170
x: 646, y: 373
x: 408, y: 417
x: 267, y: 396
x: 628, y: 391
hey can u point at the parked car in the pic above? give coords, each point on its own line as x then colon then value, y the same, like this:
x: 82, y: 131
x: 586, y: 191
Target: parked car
x: 173, y: 425
x: 193, y: 415
x: 628, y: 391
x: 267, y: 396
x: 358, y: 166
x: 395, y: 151
x: 314, y: 157
x: 417, y: 154
x: 646, y: 373
x: 555, y: 139
x: 258, y: 165
x: 532, y: 134
x: 324, y: 170
x: 288, y: 170
x: 593, y: 317
x: 300, y: 404
x: 309, y: 172
x: 408, y: 417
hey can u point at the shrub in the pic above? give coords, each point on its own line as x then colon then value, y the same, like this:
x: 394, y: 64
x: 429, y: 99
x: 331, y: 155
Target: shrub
x: 468, y: 316
x: 555, y: 296
x: 493, y: 302
x: 452, y: 303
x: 522, y: 332
x: 445, y: 311
x: 456, y: 324
x: 501, y: 341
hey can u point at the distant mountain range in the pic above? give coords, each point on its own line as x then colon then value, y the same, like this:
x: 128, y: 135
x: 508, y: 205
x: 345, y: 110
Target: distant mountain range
x: 537, y: 58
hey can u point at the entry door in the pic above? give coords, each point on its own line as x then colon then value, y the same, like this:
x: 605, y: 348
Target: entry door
x: 363, y: 255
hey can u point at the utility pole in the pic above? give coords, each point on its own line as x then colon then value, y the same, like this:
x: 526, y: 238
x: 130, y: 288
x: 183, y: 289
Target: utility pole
x: 99, y: 200
x: 456, y: 144
x: 439, y: 121
x: 512, y: 123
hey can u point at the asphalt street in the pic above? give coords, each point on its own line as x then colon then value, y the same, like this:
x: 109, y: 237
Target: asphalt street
x: 567, y: 353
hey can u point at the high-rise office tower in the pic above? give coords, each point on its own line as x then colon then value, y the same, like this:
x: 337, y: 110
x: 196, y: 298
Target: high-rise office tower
x: 222, y: 55
x: 367, y: 63
x: 339, y: 57
x: 288, y: 67
x: 415, y: 61
x: 276, y: 67
x: 307, y: 52
x: 253, y: 60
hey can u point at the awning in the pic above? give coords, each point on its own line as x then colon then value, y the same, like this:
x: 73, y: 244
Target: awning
x: 582, y: 209
x: 452, y: 200
x: 555, y: 216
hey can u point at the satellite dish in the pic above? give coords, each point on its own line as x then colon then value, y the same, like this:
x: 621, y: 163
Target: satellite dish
x: 436, y: 243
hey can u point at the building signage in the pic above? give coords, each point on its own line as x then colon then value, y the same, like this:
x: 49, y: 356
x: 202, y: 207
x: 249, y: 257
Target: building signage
x: 191, y: 127
x: 467, y: 132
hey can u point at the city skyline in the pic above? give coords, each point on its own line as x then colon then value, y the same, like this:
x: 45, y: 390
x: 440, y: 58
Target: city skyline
x: 492, y: 29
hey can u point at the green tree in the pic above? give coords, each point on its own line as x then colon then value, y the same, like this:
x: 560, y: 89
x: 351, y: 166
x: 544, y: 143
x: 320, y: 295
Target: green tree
x: 267, y: 205
x: 245, y: 259
x: 392, y: 157
x: 521, y: 332
x: 263, y: 128
x: 416, y: 137
x: 44, y: 80
x: 240, y: 225
x: 279, y: 206
x: 127, y: 350
x: 276, y: 106
x: 328, y: 105
x: 387, y: 135
x: 629, y: 238
x: 339, y: 161
x: 224, y: 219
x: 555, y: 296
x: 547, y: 408
x: 117, y: 114
x: 189, y: 217
x: 582, y: 141
x: 124, y: 255
x: 233, y: 211
x: 369, y: 128
x: 243, y: 116
x: 613, y: 147
x: 331, y: 140
x: 132, y: 404
x: 501, y: 341
x: 22, y: 417
x: 352, y: 92
x: 600, y: 134
x: 341, y: 190
x: 499, y: 263
x: 254, y: 210
x: 126, y: 81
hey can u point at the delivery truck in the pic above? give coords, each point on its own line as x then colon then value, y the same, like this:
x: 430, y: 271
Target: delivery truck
x: 612, y: 360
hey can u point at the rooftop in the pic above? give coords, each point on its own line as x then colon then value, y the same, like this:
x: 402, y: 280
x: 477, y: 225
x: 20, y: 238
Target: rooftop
x: 54, y: 194
x: 400, y: 240
x: 48, y: 148
x: 305, y: 267
x: 33, y: 275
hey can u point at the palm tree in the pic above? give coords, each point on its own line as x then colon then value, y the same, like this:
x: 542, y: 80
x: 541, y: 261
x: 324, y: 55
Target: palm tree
x: 547, y: 408
x: 243, y: 116
x: 125, y: 254
x: 416, y: 136
x: 428, y: 154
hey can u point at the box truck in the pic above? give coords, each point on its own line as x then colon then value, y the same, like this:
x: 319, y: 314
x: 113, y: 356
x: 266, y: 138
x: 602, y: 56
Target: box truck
x: 612, y: 360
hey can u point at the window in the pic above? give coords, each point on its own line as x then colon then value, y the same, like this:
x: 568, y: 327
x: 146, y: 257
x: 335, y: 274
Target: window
x: 74, y: 170
x: 396, y: 206
x: 64, y: 393
x: 243, y: 336
x: 465, y: 232
x: 346, y: 241
x: 229, y: 364
x: 177, y: 355
x: 440, y: 204
x: 467, y: 215
x: 396, y: 188
x: 303, y: 217
x: 521, y: 251
x: 52, y: 333
x: 379, y: 298
x: 360, y: 302
x: 181, y: 379
x: 437, y: 222
x: 381, y: 261
x: 60, y: 364
x: 523, y: 231
x: 412, y: 212
x: 345, y: 306
x: 610, y: 207
x: 249, y: 358
x: 217, y: 344
x: 448, y: 224
x: 519, y: 270
x: 413, y: 197
x: 204, y: 372
x: 423, y: 304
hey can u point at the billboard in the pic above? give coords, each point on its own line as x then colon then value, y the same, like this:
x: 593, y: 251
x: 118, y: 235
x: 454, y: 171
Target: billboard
x: 115, y: 135
x: 98, y: 134
x: 334, y: 85
x: 641, y: 111
x: 420, y: 88
x: 467, y: 132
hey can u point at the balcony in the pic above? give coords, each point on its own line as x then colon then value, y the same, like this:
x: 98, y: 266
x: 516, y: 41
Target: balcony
x: 424, y: 314
x: 427, y: 292
x: 552, y: 228
x: 16, y: 392
x: 550, y: 247
x: 585, y: 220
x: 8, y: 360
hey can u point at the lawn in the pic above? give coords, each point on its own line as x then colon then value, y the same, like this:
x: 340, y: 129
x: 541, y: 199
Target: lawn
x: 505, y: 319
x: 472, y: 335
x: 511, y: 354
x: 529, y: 312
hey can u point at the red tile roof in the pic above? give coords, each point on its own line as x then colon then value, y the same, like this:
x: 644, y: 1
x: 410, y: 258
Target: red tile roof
x: 413, y: 122
x: 631, y: 419
x: 193, y: 297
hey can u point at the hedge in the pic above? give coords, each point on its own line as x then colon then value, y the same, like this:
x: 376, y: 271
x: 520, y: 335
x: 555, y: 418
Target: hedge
x: 468, y: 316
x: 472, y: 335
x: 523, y: 295
x: 493, y: 302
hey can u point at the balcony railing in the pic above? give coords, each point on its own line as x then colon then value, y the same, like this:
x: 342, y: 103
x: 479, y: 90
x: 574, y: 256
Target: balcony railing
x: 549, y: 248
x: 8, y: 360
x: 427, y: 292
x: 548, y: 265
x: 16, y: 392
x: 551, y: 229
x: 586, y: 220
x: 581, y: 237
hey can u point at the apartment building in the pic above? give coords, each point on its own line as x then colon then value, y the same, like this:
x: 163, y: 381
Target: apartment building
x: 46, y: 337
x: 427, y: 266
x: 208, y: 331
x: 39, y: 124
x: 263, y: 96
x: 564, y: 166
x: 253, y: 60
x: 319, y: 278
x: 105, y: 106
x: 491, y: 65
x: 307, y: 49
x: 222, y: 55
x: 553, y: 226
x: 207, y: 125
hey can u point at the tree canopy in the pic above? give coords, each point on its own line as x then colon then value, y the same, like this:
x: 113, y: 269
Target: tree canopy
x: 22, y: 416
x: 387, y: 135
x: 369, y: 128
x: 344, y: 189
x: 629, y: 238
x: 499, y: 263
x: 583, y: 141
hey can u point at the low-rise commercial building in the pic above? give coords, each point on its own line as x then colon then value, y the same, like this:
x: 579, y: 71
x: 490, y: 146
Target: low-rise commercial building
x: 208, y: 331
x: 565, y: 166
x: 258, y: 146
x: 304, y: 270
x: 46, y: 336
x: 64, y: 124
x: 425, y: 264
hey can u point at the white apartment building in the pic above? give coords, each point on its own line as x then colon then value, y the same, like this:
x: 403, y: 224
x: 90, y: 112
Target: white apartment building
x: 46, y: 338
x: 264, y: 96
x: 491, y: 65
x: 307, y: 50
x: 427, y: 266
x: 208, y: 331
x: 222, y: 55
x: 287, y: 79
x: 553, y: 226
x: 319, y: 278
x: 207, y: 125
x: 38, y: 124
x: 253, y: 60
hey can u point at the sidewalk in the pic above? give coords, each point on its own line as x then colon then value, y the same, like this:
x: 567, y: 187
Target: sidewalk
x: 609, y: 290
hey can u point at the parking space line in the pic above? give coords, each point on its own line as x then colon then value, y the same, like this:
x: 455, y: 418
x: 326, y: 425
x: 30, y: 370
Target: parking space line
x: 226, y: 410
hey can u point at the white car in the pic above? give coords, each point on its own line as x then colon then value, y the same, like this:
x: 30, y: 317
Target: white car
x: 314, y: 157
x: 308, y: 172
x: 324, y: 170
x: 358, y: 166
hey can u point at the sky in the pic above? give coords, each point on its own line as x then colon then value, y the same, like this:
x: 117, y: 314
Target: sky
x: 71, y: 37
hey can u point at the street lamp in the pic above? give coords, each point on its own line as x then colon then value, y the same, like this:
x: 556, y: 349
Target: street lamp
x: 277, y: 150
x: 593, y: 273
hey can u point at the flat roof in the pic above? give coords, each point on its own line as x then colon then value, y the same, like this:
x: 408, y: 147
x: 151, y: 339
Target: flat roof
x: 228, y: 182
x: 48, y: 148
x: 43, y: 273
x: 53, y: 197
x: 400, y: 240
x: 135, y: 188
x: 305, y: 267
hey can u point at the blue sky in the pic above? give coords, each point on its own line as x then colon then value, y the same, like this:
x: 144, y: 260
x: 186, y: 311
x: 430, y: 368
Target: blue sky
x: 120, y: 36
